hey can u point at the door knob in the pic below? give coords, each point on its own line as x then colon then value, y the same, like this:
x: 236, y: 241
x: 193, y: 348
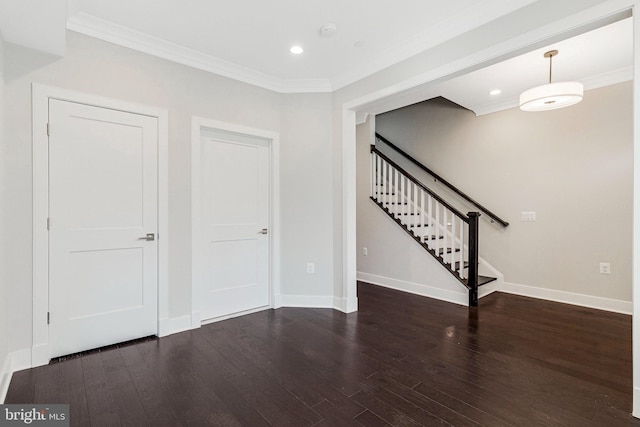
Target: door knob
x: 263, y: 231
x: 149, y: 237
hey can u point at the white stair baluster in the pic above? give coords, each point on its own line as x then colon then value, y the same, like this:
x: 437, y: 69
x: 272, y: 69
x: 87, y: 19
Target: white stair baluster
x: 407, y: 208
x: 396, y: 195
x: 454, y: 244
x: 436, y: 228
x: 405, y: 204
x: 461, y: 257
x: 378, y: 177
x: 422, y: 228
x: 384, y: 183
x: 445, y: 232
x: 415, y: 208
x: 373, y: 172
x: 429, y: 221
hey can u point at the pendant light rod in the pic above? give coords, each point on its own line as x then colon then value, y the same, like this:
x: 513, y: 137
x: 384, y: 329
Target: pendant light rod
x: 550, y: 55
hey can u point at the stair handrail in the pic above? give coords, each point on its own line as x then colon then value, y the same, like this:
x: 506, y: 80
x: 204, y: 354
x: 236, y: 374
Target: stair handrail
x: 446, y: 183
x: 471, y: 219
x: 419, y: 184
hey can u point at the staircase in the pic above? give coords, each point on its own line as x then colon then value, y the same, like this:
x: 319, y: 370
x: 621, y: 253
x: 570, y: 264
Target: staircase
x: 450, y: 236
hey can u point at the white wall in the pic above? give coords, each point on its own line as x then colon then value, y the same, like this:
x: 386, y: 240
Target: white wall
x: 95, y: 67
x: 4, y: 294
x: 573, y: 167
x: 307, y: 193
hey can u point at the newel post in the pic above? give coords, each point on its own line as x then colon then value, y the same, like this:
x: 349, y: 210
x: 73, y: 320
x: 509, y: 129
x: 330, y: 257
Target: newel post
x: 473, y: 257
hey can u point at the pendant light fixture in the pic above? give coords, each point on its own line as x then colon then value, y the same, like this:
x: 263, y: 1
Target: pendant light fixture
x: 552, y: 95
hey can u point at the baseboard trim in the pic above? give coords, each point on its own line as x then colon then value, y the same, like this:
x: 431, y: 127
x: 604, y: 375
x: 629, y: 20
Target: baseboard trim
x: 277, y: 301
x: 21, y: 359
x: 589, y: 301
x: 5, y: 377
x: 487, y: 289
x: 636, y: 402
x: 307, y: 301
x: 232, y: 315
x: 196, y: 321
x: 40, y: 355
x: 345, y: 305
x: 416, y: 288
x: 175, y: 325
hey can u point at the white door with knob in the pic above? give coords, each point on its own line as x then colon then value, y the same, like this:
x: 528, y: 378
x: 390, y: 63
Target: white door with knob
x: 103, y: 220
x: 234, y: 246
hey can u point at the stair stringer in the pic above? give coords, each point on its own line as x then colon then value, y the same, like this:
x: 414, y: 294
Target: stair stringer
x: 423, y: 274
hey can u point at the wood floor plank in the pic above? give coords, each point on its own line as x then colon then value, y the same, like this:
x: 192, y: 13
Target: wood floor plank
x: 401, y: 360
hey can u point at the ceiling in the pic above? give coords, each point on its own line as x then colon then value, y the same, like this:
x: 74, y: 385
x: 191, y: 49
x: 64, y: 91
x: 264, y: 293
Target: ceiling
x: 597, y: 58
x: 249, y: 40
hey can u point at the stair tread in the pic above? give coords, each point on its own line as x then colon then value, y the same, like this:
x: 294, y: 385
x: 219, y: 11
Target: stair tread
x: 457, y: 265
x: 449, y: 250
x: 409, y: 228
x: 432, y: 237
x: 483, y: 280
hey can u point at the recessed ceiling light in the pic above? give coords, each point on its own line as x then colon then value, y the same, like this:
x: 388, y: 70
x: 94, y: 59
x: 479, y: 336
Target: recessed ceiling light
x: 296, y: 50
x: 495, y: 92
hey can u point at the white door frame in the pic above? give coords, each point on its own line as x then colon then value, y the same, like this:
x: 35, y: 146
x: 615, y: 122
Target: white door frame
x: 40, y: 104
x: 197, y: 125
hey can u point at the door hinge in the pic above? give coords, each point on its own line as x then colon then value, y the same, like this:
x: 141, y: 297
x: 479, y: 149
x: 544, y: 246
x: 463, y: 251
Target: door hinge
x: 48, y: 317
x: 48, y: 224
x: 48, y: 130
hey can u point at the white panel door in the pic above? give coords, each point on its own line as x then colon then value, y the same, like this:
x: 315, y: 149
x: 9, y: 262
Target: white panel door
x: 235, y: 205
x: 102, y: 203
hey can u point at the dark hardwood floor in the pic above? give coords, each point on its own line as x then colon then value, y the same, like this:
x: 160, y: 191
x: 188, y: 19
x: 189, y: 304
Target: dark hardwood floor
x: 402, y: 360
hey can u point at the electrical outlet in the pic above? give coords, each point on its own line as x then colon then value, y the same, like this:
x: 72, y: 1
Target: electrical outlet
x: 605, y: 268
x: 527, y: 216
x: 311, y: 268
x: 365, y: 251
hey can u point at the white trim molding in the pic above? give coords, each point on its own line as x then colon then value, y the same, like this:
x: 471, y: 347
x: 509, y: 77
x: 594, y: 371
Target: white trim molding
x: 108, y: 31
x: 346, y: 305
x: 582, y: 300
x: 198, y: 124
x: 309, y: 301
x: 5, y: 377
x: 40, y: 104
x: 175, y: 325
x: 636, y: 402
x: 460, y: 298
x: 13, y: 362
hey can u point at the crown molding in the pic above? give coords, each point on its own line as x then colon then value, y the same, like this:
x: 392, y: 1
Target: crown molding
x: 108, y: 31
x: 609, y: 78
